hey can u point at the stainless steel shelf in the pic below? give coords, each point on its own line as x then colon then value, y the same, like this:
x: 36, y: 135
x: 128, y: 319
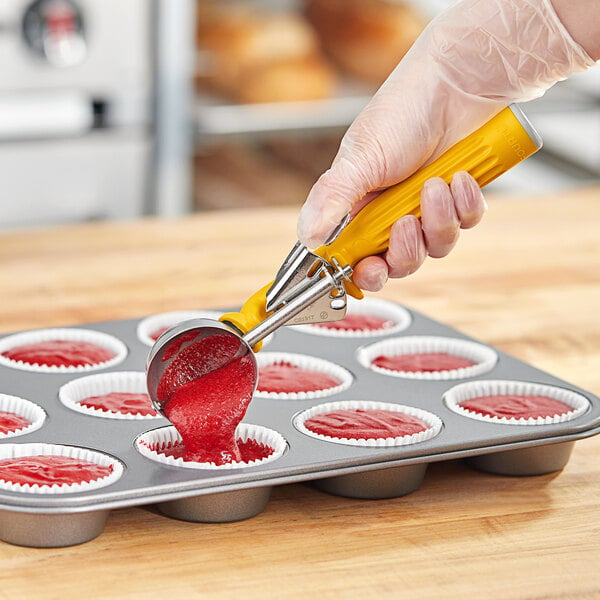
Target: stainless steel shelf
x: 214, y: 118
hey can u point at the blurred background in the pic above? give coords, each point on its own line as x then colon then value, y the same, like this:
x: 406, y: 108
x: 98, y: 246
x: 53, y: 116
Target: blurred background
x: 113, y: 109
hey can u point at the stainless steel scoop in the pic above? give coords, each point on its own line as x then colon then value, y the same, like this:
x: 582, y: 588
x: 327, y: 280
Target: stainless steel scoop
x: 311, y: 287
x: 291, y: 299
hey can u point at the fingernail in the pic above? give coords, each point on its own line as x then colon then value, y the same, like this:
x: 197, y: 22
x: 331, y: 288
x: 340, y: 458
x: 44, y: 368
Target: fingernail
x: 380, y: 278
x: 464, y: 186
x: 435, y: 190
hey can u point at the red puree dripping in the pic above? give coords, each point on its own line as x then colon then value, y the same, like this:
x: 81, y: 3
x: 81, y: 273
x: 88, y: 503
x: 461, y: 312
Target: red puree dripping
x: 68, y: 353
x: 423, y: 362
x: 12, y: 422
x: 284, y: 377
x: 205, y: 392
x: 121, y: 402
x: 516, y: 406
x: 358, y: 424
x: 358, y: 322
x: 48, y: 470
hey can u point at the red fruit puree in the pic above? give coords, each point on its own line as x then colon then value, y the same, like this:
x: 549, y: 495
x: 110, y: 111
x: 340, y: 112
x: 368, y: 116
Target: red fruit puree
x: 12, y: 422
x: 49, y: 470
x: 359, y: 424
x: 423, y: 362
x: 358, y: 322
x: 68, y: 353
x: 205, y: 392
x: 121, y: 402
x: 516, y: 406
x: 284, y: 377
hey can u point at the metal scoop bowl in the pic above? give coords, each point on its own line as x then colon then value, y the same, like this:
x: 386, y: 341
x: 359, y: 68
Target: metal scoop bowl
x: 188, y: 351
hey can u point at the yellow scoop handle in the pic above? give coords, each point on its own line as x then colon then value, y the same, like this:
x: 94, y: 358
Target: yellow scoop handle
x: 504, y: 141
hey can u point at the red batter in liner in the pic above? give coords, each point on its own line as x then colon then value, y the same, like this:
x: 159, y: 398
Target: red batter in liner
x: 514, y: 406
x: 49, y: 470
x: 67, y: 353
x: 284, y: 377
x: 359, y: 322
x: 249, y: 450
x: 121, y: 402
x: 10, y: 422
x: 158, y: 332
x: 205, y: 392
x: 422, y: 362
x: 357, y: 424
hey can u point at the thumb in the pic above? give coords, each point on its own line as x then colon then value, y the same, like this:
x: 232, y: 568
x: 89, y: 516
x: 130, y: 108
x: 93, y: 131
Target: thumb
x: 385, y: 143
x: 359, y: 167
x: 329, y: 201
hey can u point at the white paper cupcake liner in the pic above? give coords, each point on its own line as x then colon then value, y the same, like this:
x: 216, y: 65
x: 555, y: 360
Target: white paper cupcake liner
x: 130, y: 382
x: 21, y: 450
x: 146, y: 327
x: 484, y: 356
x: 474, y: 389
x: 166, y: 437
x: 78, y: 335
x: 367, y: 306
x: 433, y: 422
x: 24, y: 408
x: 311, y: 363
x: 153, y: 323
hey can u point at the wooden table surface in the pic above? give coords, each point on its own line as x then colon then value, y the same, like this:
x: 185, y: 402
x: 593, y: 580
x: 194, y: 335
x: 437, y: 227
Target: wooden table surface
x: 527, y: 281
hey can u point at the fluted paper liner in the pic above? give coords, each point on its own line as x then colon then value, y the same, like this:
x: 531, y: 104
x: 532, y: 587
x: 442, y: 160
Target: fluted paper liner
x: 146, y: 327
x: 474, y: 389
x: 79, y: 335
x: 433, y: 422
x: 367, y: 306
x: 485, y: 358
x: 41, y: 449
x: 167, y: 437
x: 76, y: 390
x: 24, y: 408
x: 304, y: 361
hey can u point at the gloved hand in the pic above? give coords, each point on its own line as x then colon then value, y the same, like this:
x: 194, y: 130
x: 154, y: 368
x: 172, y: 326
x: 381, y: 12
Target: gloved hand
x: 468, y: 64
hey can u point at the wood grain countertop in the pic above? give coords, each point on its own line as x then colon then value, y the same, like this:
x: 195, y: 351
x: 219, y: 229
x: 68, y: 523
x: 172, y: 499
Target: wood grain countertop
x: 527, y: 281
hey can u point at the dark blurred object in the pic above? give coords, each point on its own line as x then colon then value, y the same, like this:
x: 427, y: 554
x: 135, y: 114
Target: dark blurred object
x: 258, y: 56
x: 365, y: 38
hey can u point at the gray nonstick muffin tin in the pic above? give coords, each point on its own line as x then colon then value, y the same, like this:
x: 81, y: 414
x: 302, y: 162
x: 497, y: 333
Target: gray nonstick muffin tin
x: 218, y: 495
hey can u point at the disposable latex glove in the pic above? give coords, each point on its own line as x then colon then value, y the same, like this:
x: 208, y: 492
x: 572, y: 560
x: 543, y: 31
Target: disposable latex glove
x: 468, y: 64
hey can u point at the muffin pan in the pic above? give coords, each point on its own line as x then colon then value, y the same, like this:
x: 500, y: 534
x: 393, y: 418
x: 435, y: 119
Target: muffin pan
x: 239, y: 492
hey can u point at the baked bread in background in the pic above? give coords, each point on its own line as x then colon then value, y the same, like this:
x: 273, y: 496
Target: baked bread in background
x: 253, y: 55
x: 365, y: 38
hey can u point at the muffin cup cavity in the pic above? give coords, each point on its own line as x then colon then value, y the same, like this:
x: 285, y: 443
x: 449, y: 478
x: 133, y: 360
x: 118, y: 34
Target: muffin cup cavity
x: 465, y: 391
x: 304, y: 361
x: 399, y: 316
x: 24, y: 408
x: 40, y: 449
x: 433, y: 422
x: 134, y: 382
x: 109, y: 342
x: 484, y: 357
x: 151, y: 442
